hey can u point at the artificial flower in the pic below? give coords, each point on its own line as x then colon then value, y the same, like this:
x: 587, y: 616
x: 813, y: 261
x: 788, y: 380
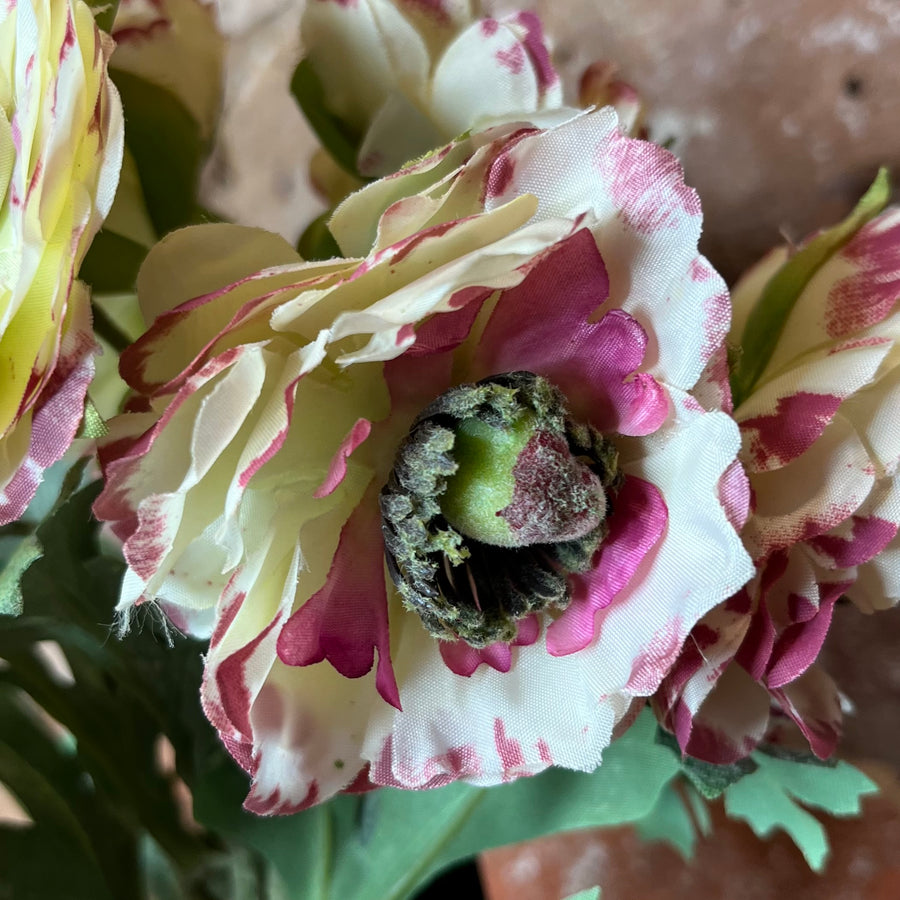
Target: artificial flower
x: 821, y: 448
x: 405, y: 77
x: 446, y: 506
x: 61, y: 136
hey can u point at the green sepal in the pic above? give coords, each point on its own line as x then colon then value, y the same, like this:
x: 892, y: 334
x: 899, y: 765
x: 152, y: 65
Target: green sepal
x: 803, y: 757
x: 317, y: 242
x: 710, y: 779
x: 93, y: 425
x: 768, y: 317
x: 331, y: 131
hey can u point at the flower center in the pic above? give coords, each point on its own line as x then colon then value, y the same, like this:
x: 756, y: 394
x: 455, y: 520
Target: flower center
x: 495, y: 497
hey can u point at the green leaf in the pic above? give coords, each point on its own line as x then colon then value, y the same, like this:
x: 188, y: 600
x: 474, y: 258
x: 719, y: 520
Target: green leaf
x: 38, y: 863
x: 388, y: 843
x: 51, y: 787
x: 92, y: 425
x: 590, y: 894
x: 317, y: 242
x: 670, y: 821
x: 10, y: 588
x: 104, y: 13
x: 165, y: 141
x: 767, y: 319
x: 335, y: 136
x: 121, y: 698
x: 298, y: 847
x: 112, y: 263
x: 770, y: 799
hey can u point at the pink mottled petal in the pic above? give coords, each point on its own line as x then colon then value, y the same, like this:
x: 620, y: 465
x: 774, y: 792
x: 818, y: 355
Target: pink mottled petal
x: 447, y: 730
x: 812, y: 701
x: 464, y: 660
x: 641, y: 212
x: 346, y: 621
x: 299, y: 754
x: 536, y: 47
x: 338, y: 468
x: 812, y: 494
x: 734, y: 495
x: 849, y: 297
x: 855, y: 541
x: 542, y: 326
x: 790, y: 430
x: 732, y: 720
x: 487, y: 52
x: 756, y: 650
x: 870, y: 294
x: 440, y: 334
x: 709, y: 648
x: 638, y: 521
x: 878, y: 580
x: 783, y: 418
x: 56, y: 413
x: 529, y: 631
x: 713, y: 390
x: 424, y: 371
x: 798, y: 646
x: 460, y: 761
x: 656, y: 658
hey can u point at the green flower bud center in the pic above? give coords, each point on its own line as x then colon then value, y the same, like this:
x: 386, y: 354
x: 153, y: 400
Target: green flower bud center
x: 495, y: 497
x: 519, y: 484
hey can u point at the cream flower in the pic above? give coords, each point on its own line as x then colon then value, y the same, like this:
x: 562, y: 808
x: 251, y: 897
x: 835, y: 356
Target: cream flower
x: 821, y: 446
x: 405, y: 76
x: 61, y: 135
x: 468, y: 450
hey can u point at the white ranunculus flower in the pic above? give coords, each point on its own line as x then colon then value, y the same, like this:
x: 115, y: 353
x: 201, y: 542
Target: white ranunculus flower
x: 406, y: 76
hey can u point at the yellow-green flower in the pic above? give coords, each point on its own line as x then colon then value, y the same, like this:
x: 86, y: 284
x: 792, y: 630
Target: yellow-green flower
x: 61, y: 134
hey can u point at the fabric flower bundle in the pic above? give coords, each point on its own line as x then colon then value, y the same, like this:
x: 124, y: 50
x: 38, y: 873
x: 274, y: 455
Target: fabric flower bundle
x: 459, y: 500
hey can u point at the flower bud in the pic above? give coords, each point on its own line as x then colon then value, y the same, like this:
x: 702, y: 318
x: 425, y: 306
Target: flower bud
x: 494, y: 498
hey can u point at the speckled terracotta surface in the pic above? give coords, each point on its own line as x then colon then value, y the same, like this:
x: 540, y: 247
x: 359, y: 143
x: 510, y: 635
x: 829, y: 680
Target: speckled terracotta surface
x: 731, y: 864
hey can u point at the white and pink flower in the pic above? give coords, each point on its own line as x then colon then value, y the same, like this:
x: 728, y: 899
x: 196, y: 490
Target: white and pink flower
x: 821, y: 447
x: 61, y: 138
x: 273, y: 399
x: 405, y: 76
